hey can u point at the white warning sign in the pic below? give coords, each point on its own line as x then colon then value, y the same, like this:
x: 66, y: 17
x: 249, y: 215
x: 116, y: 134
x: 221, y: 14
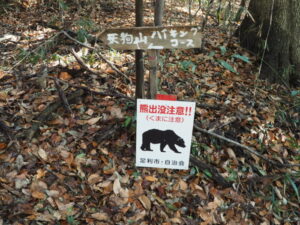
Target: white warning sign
x: 164, y: 133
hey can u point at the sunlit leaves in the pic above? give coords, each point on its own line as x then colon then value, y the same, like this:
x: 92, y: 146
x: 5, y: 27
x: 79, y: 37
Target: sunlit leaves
x: 241, y: 57
x: 226, y: 65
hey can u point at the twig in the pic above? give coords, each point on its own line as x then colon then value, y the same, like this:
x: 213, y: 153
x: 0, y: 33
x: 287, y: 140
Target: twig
x: 11, y: 190
x: 216, y: 177
x: 210, y: 4
x: 208, y: 106
x: 83, y: 65
x: 35, y: 49
x: 111, y: 93
x: 5, y: 130
x: 51, y: 108
x: 107, y: 133
x: 248, y: 149
x: 63, y: 97
x: 100, y: 55
x: 266, y: 42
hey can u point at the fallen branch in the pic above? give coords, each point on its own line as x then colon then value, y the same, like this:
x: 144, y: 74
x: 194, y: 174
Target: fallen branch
x: 248, y: 149
x: 216, y: 177
x: 107, y: 133
x: 33, y: 50
x: 5, y: 130
x: 111, y: 93
x: 11, y: 190
x: 100, y: 55
x: 51, y: 108
x: 63, y: 97
x: 83, y: 65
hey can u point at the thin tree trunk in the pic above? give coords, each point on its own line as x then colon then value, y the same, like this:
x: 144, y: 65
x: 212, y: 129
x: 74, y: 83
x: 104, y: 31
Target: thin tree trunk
x: 139, y: 60
x: 154, y: 54
x: 240, y: 11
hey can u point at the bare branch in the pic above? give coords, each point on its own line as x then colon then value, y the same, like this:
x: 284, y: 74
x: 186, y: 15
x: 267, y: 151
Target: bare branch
x: 100, y: 55
x: 248, y: 149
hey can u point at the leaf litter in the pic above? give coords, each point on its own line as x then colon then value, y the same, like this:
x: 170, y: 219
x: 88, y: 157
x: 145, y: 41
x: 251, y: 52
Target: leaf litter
x: 80, y: 169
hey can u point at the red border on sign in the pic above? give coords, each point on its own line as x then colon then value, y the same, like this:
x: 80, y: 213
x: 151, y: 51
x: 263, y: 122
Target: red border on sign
x: 166, y: 97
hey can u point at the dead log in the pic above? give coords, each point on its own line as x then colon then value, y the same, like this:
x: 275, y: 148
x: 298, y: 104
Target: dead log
x: 51, y: 108
x: 215, y: 175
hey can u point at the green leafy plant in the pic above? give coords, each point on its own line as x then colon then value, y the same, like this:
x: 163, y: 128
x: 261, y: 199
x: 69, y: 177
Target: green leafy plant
x: 194, y: 148
x: 85, y: 26
x: 194, y: 170
x: 72, y: 221
x: 293, y: 185
x: 136, y: 174
x: 70, y: 218
x: 223, y: 50
x: 241, y: 57
x: 207, y: 173
x: 129, y: 121
x: 62, y: 5
x: 233, y: 175
x: 226, y: 65
x: 187, y: 66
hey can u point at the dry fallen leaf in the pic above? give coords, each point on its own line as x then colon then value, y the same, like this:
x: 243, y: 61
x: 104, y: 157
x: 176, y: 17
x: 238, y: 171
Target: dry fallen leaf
x: 42, y: 154
x: 232, y: 155
x: 3, y: 96
x: 176, y: 220
x: 94, y: 178
x: 40, y: 173
x: 110, y: 71
x: 183, y: 185
x: 2, y: 74
x: 117, y: 186
x: 116, y: 112
x: 100, y: 216
x: 145, y: 202
x: 93, y: 120
x: 38, y: 195
x: 65, y: 76
x: 151, y: 178
x: 3, y: 145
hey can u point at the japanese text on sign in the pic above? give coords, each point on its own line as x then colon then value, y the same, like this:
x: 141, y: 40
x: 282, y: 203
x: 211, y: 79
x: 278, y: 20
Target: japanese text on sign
x: 164, y: 133
x: 165, y: 109
x: 175, y: 37
x: 152, y: 37
x: 157, y: 161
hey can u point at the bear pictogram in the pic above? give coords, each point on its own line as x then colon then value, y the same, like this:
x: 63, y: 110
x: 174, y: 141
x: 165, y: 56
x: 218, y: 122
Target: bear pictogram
x: 162, y: 137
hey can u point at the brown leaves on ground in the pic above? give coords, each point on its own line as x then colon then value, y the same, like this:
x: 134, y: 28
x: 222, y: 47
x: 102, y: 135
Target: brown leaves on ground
x: 80, y: 170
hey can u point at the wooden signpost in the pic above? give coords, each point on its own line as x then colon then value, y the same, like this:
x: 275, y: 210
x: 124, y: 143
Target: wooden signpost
x: 164, y: 128
x: 149, y: 38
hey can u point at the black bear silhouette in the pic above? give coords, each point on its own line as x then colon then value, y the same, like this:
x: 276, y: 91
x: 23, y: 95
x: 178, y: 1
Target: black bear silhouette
x: 162, y: 137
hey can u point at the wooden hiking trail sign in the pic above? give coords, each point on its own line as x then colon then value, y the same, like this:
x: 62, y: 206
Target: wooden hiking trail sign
x: 148, y: 38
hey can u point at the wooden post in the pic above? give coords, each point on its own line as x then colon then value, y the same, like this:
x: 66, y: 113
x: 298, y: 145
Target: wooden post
x: 154, y: 54
x: 139, y: 61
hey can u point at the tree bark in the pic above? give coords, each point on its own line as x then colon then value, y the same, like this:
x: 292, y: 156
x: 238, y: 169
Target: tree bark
x: 139, y: 60
x: 280, y: 29
x: 154, y: 54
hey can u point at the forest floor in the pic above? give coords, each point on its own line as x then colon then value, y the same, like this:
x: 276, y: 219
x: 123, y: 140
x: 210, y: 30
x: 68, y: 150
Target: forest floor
x: 74, y: 162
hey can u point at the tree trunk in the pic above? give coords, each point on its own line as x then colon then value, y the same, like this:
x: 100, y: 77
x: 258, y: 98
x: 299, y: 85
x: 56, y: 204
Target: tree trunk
x: 280, y: 28
x: 139, y: 58
x: 154, y: 54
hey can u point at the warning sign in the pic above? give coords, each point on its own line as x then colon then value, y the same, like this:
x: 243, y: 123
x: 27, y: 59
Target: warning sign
x: 164, y: 133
